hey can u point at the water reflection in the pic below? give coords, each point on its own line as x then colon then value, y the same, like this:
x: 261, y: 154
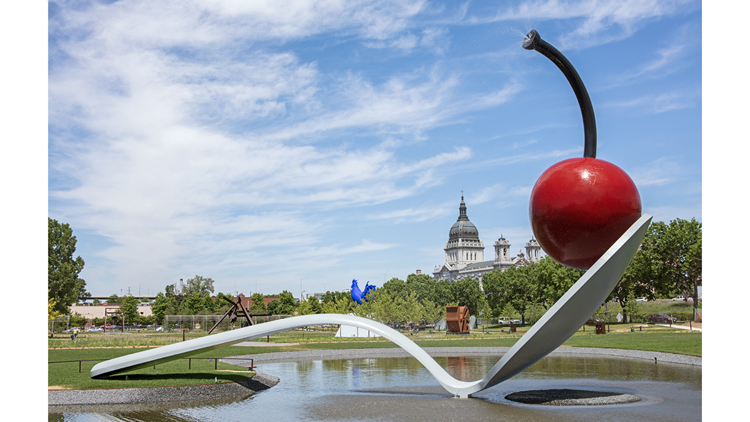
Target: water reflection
x: 400, y: 389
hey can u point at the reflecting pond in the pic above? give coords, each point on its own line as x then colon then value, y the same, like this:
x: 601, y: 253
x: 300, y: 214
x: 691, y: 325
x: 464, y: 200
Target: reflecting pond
x: 400, y: 389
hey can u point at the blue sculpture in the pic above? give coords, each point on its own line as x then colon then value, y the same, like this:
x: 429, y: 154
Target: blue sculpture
x: 358, y: 295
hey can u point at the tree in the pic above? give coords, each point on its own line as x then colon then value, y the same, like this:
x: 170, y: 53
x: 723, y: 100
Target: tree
x: 427, y: 288
x: 496, y: 291
x: 635, y: 282
x: 159, y: 308
x: 631, y: 308
x: 199, y: 284
x: 387, y: 307
x: 411, y: 308
x: 432, y: 312
x: 508, y: 311
x: 516, y: 287
x: 113, y: 299
x: 176, y: 300
x: 304, y: 308
x: 674, y: 252
x: 273, y: 307
x: 222, y: 305
x: 286, y: 306
x: 341, y: 305
x: 259, y: 305
x: 315, y: 306
x: 523, y: 288
x: 332, y: 297
x: 77, y: 320
x: 395, y: 287
x: 467, y: 293
x: 63, y: 283
x: 309, y: 306
x: 129, y: 308
x: 51, y: 312
x: 195, y: 302
x: 535, y: 312
x: 421, y: 284
x: 441, y: 293
x: 553, y: 280
x: 209, y: 304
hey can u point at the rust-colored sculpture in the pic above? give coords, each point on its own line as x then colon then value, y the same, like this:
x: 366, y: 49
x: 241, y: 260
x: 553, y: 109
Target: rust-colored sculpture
x: 234, y: 311
x: 457, y: 319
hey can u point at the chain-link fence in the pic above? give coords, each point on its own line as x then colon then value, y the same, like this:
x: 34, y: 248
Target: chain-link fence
x: 205, y: 322
x: 58, y: 324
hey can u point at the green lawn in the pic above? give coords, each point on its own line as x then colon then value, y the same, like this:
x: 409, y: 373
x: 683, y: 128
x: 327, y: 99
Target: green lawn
x: 167, y: 374
x: 678, y: 342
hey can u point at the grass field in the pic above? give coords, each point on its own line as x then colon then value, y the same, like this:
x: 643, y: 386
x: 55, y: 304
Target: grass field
x: 66, y: 375
x: 99, y: 346
x: 679, y: 309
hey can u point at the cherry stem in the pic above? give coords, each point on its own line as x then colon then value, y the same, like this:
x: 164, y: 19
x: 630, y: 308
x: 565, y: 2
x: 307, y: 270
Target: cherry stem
x: 534, y: 41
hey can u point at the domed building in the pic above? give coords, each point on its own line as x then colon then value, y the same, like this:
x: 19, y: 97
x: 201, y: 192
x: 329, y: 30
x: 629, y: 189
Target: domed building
x: 464, y: 252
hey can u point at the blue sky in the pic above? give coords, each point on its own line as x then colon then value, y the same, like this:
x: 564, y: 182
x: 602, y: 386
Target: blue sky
x: 298, y: 145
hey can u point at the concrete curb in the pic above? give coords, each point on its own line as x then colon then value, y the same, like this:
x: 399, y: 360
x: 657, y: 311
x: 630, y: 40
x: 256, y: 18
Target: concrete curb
x: 458, y: 351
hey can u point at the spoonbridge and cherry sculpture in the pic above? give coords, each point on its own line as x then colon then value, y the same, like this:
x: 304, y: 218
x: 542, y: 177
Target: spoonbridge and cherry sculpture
x: 598, y: 208
x: 560, y: 322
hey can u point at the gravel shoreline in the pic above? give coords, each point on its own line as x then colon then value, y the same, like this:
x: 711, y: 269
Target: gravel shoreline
x: 76, y: 400
x: 139, y: 398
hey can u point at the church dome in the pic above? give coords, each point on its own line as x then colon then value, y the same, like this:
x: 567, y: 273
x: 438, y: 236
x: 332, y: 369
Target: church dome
x: 463, y: 228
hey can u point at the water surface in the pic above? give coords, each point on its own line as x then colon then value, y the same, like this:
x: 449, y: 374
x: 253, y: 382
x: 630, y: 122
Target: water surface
x: 400, y: 389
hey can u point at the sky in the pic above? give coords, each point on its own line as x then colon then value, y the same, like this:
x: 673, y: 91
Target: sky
x: 297, y: 145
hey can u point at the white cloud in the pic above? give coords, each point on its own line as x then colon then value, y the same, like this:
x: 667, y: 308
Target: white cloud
x: 205, y: 24
x: 501, y: 195
x: 399, y: 104
x: 675, y: 54
x: 597, y: 21
x: 659, y: 172
x: 517, y: 145
x: 435, y: 39
x: 367, y: 246
x: 517, y: 236
x: 411, y: 215
x: 660, y: 103
x: 530, y: 156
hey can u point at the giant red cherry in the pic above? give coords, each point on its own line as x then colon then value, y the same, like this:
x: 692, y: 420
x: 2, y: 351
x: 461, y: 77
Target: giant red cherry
x: 579, y: 207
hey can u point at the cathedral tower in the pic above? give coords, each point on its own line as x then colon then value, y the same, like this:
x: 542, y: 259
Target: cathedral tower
x: 533, y: 250
x: 463, y: 246
x: 502, y: 252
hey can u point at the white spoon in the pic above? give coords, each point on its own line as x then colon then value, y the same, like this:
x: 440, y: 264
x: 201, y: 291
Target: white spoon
x: 557, y: 325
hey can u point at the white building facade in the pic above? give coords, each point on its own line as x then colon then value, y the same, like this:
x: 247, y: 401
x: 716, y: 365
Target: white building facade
x: 464, y: 252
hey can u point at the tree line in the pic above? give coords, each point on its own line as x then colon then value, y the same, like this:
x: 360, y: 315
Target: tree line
x: 668, y: 263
